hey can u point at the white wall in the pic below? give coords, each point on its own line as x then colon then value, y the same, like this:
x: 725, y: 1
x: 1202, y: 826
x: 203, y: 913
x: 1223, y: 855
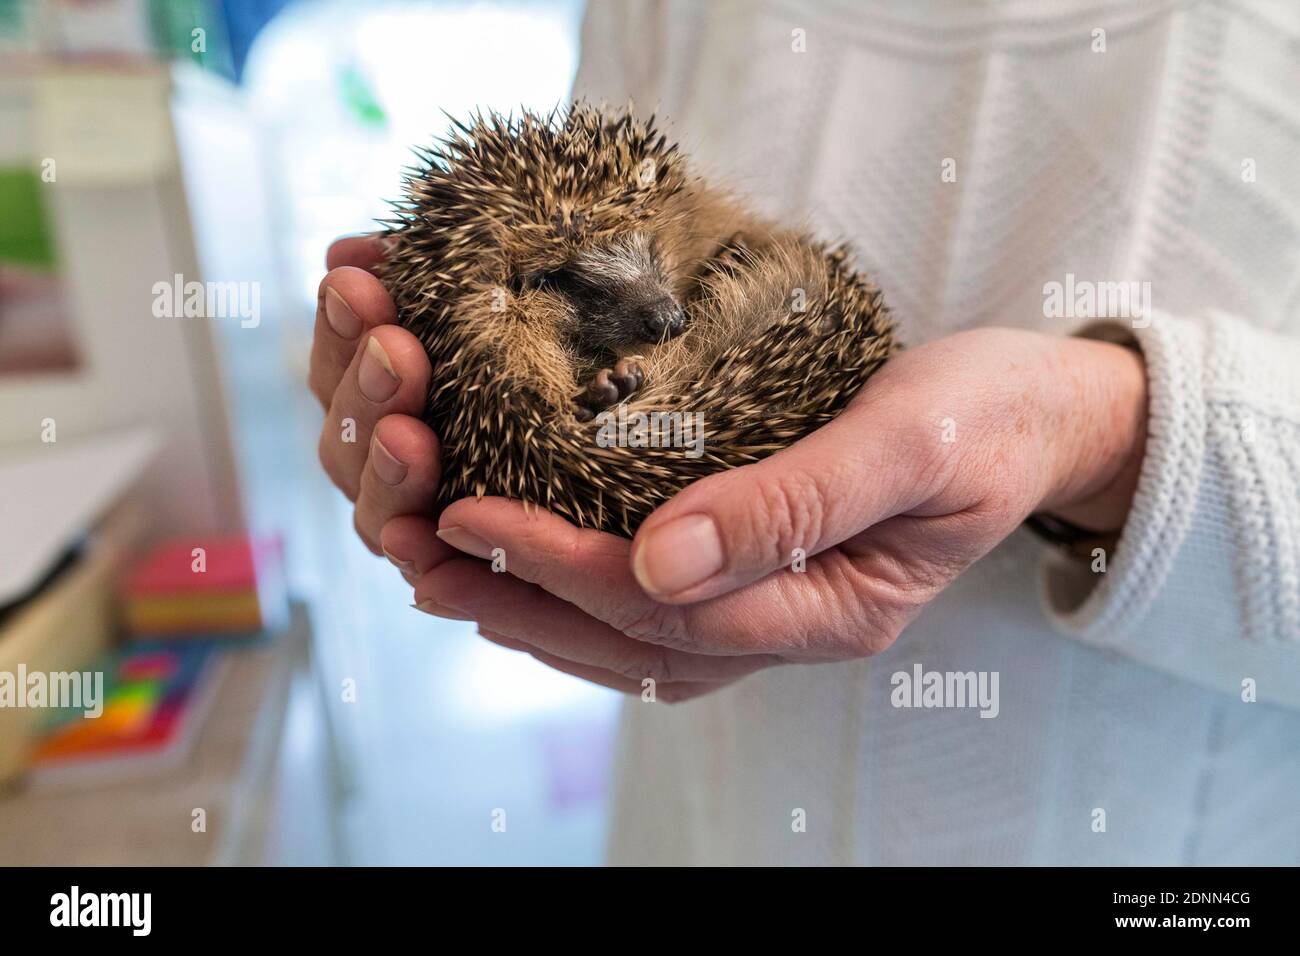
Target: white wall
x: 122, y: 225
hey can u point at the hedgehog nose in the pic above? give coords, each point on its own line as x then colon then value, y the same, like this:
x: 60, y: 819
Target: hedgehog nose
x: 663, y: 320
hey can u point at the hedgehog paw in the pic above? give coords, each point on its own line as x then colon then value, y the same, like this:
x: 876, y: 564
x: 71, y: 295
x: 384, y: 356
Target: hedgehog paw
x: 608, y: 387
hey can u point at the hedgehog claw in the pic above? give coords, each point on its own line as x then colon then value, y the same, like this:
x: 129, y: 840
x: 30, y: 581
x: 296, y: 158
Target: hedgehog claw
x: 608, y: 387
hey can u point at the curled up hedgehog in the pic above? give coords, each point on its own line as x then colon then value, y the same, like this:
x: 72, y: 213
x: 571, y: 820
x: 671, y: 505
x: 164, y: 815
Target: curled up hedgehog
x: 605, y: 329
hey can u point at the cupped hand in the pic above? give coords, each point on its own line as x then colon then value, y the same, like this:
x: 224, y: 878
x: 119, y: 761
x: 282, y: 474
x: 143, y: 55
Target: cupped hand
x: 372, y: 377
x: 824, y: 551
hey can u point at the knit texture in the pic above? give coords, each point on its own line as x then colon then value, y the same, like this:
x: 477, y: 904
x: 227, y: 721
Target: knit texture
x: 1218, y: 492
x: 1154, y: 142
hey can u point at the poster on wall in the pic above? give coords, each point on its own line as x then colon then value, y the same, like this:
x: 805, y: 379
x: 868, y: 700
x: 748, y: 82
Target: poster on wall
x: 36, y: 330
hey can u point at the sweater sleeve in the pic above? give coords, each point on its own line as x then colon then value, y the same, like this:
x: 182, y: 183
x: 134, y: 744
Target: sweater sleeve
x: 1204, y: 582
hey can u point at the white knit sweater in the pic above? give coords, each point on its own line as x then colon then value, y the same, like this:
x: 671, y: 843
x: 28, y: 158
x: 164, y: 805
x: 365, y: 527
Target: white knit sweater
x: 1163, y: 149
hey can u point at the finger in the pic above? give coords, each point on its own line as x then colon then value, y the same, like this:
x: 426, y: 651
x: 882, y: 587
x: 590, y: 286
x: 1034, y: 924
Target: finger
x: 667, y: 693
x: 732, y: 528
x: 412, y: 544
x: 509, y: 643
x: 389, y: 375
x: 349, y: 302
x: 400, y: 476
x: 795, y: 615
x: 502, y: 603
x: 361, y: 252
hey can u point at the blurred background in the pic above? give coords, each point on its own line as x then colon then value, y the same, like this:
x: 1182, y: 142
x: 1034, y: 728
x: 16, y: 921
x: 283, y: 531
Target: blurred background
x: 171, y: 173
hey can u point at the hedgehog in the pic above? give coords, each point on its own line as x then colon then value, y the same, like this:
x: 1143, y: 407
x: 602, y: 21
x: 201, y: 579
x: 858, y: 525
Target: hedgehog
x: 606, y: 327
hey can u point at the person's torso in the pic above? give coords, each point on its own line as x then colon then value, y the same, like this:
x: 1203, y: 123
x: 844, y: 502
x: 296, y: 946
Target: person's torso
x: 974, y: 153
x: 976, y: 156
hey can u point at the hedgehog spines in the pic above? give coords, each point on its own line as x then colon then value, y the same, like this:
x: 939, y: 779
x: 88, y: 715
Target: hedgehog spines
x: 775, y: 346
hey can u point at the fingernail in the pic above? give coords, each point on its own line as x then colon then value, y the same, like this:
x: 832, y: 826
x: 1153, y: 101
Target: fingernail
x: 680, y: 555
x: 376, y: 377
x: 438, y: 610
x: 406, y: 567
x: 341, y: 318
x: 387, y: 467
x: 463, y: 540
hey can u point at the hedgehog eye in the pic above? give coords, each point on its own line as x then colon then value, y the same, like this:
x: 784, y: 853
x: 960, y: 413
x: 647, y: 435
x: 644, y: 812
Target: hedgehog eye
x: 562, y: 280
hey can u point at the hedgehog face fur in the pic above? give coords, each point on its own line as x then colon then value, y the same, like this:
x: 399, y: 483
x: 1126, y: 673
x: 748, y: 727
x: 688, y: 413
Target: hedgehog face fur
x: 615, y: 295
x: 555, y: 267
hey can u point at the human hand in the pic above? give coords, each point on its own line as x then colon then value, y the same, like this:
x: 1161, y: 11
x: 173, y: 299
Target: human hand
x: 372, y: 377
x: 941, y: 456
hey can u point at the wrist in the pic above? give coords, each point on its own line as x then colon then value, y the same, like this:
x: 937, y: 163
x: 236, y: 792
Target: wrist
x: 1102, y: 436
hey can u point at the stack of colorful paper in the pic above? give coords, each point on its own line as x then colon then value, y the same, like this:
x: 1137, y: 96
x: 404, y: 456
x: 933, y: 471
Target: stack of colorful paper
x: 212, y: 587
x: 151, y: 703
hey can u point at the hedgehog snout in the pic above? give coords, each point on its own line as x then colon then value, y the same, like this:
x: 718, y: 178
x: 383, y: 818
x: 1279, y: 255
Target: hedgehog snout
x: 662, y: 320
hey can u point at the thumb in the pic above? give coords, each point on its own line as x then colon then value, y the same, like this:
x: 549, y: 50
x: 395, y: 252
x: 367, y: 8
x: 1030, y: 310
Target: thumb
x: 730, y: 529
